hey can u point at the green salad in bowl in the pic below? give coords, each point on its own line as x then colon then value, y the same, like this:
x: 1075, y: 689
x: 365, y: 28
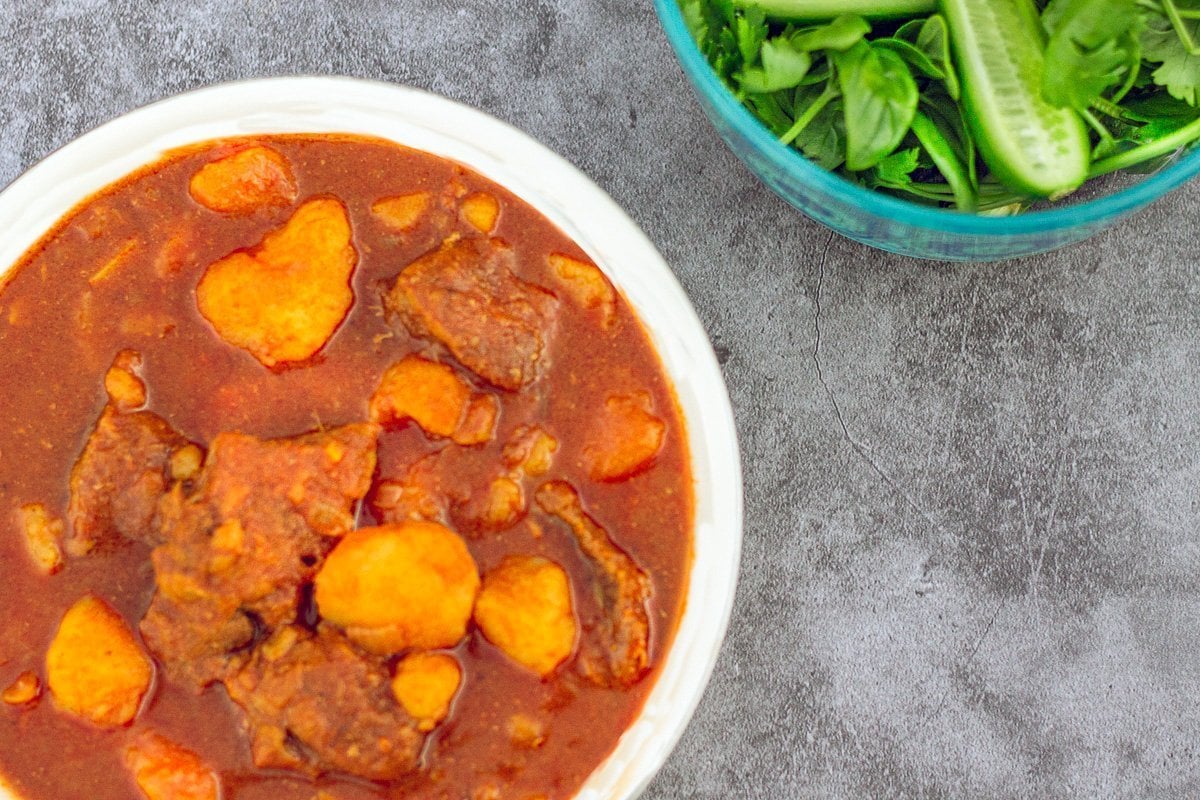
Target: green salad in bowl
x: 979, y: 105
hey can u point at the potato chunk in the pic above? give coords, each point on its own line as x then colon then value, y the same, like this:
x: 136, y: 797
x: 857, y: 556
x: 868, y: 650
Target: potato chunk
x: 481, y: 210
x: 95, y: 668
x: 43, y: 537
x: 425, y: 684
x: 530, y: 450
x: 436, y: 398
x: 403, y: 212
x: 586, y: 285
x: 124, y: 386
x: 525, y: 609
x: 626, y: 438
x: 282, y: 300
x: 22, y: 691
x: 164, y: 770
x: 254, y: 178
x: 399, y: 586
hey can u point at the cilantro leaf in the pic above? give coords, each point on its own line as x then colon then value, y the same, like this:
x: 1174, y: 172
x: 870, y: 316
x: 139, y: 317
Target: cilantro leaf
x: 1179, y: 70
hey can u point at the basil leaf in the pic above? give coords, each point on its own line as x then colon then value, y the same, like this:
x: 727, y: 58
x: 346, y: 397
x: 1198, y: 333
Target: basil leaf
x: 880, y: 99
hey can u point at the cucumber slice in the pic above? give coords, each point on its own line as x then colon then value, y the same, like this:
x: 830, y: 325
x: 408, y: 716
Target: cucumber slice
x: 828, y: 9
x: 1030, y: 145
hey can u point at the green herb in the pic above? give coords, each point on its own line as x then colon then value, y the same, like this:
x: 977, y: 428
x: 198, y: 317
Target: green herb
x: 881, y: 102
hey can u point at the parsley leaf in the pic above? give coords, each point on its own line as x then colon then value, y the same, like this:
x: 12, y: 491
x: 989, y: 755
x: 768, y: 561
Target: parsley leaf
x: 1093, y: 48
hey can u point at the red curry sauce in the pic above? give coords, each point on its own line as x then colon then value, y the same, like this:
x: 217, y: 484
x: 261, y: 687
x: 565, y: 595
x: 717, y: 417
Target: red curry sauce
x: 60, y: 328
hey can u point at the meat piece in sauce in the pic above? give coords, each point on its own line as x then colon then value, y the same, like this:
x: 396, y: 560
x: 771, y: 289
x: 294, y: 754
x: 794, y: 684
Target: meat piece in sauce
x: 525, y: 609
x: 399, y: 586
x: 125, y: 467
x: 495, y: 507
x: 501, y: 503
x: 417, y: 495
x: 282, y: 300
x: 241, y: 183
x: 95, y: 668
x: 466, y: 296
x: 316, y: 704
x: 437, y: 399
x: 164, y: 770
x: 625, y: 589
x: 239, y: 548
x: 625, y: 439
x: 425, y: 684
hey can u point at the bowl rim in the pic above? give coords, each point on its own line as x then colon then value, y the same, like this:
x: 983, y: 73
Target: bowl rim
x: 32, y: 203
x: 786, y: 158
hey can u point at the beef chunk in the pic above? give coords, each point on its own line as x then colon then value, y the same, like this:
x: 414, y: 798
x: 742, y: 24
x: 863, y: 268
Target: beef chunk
x: 120, y: 476
x: 465, y: 296
x: 238, y: 549
x: 624, y: 655
x: 314, y: 703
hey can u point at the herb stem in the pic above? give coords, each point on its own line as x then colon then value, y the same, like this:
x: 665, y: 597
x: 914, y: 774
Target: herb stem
x: 1159, y: 147
x: 809, y: 114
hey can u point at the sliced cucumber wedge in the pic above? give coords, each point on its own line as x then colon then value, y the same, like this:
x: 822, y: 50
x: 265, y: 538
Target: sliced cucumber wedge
x: 828, y: 9
x: 1028, y: 144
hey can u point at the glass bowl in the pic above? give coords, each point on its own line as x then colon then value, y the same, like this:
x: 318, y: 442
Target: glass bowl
x: 896, y: 225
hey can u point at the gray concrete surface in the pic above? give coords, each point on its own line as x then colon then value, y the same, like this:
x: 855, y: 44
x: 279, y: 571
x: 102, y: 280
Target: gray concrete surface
x: 972, y: 562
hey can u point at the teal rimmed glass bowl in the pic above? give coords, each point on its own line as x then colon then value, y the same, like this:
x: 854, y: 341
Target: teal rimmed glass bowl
x: 897, y: 225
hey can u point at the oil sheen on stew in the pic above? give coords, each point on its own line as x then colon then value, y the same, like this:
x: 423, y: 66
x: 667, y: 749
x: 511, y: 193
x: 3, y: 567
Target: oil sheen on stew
x: 330, y: 470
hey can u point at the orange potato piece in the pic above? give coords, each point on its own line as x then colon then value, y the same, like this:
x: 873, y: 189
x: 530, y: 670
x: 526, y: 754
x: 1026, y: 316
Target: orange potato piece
x: 403, y: 212
x: 95, y: 668
x: 164, y: 770
x: 479, y: 421
x: 43, y: 537
x: 125, y: 388
x: 429, y: 393
x: 393, y: 587
x: 626, y: 439
x: 525, y: 609
x: 436, y: 398
x: 254, y: 178
x: 425, y: 684
x: 283, y: 300
x: 24, y: 690
x: 481, y: 210
x: 586, y: 284
x: 531, y: 451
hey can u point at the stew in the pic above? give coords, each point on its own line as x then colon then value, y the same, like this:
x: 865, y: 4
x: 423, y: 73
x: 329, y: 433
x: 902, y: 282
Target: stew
x: 330, y: 470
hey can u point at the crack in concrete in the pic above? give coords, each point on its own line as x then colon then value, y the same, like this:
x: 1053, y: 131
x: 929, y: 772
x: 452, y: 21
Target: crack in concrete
x: 855, y: 445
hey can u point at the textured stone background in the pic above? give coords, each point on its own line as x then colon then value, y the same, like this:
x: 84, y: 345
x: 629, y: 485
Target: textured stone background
x: 972, y: 561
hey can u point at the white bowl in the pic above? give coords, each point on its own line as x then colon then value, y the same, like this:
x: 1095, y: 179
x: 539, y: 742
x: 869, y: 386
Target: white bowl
x: 40, y: 197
